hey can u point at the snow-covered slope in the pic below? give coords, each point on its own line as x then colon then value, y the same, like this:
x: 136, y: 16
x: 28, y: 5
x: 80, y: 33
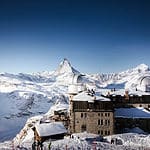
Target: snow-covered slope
x: 25, y: 95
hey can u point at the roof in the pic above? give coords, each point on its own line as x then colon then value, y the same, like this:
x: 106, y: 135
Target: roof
x: 49, y: 129
x: 138, y: 112
x: 84, y: 96
x: 58, y: 107
x: 122, y: 92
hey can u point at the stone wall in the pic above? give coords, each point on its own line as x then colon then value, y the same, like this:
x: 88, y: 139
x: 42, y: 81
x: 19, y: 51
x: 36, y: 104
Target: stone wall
x: 93, y: 122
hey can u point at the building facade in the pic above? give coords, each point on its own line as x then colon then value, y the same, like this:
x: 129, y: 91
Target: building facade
x: 132, y: 108
x: 91, y: 113
x: 98, y: 113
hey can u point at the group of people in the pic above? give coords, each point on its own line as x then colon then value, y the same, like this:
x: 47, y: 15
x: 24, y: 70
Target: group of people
x: 113, y: 141
x: 91, y: 92
x: 37, y: 145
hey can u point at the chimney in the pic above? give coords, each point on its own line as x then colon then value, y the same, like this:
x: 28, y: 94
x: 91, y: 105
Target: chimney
x: 126, y: 95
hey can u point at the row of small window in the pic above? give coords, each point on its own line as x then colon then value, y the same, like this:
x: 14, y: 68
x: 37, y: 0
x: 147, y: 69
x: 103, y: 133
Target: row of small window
x: 84, y: 115
x: 102, y: 114
x: 104, y: 122
x: 102, y: 132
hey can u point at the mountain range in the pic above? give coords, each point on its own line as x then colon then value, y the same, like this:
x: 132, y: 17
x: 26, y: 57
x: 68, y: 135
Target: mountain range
x: 24, y: 95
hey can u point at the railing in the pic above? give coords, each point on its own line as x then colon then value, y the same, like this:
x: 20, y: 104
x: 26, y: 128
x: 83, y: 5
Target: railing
x: 92, y: 110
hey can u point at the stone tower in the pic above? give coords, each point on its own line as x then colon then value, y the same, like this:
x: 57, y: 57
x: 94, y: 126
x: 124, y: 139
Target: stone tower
x: 72, y: 90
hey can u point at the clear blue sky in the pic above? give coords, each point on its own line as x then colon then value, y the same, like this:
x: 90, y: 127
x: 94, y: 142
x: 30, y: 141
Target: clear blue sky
x: 95, y: 35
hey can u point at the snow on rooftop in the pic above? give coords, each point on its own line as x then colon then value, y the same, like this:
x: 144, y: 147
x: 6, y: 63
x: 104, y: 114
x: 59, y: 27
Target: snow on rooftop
x: 101, y: 98
x: 122, y: 92
x: 138, y: 112
x: 84, y: 96
x: 57, y: 107
x: 48, y: 129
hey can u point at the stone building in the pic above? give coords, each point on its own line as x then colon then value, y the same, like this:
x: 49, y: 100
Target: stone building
x: 90, y: 112
x: 111, y: 111
x: 122, y: 98
x: 132, y: 107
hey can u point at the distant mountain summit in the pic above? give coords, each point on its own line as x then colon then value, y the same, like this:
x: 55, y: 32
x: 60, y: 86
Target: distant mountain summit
x: 142, y: 67
x: 24, y: 95
x: 65, y: 67
x: 138, y: 69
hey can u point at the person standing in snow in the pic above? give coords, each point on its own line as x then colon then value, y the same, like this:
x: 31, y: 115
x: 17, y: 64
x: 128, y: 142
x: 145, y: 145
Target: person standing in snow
x: 49, y: 145
x: 41, y: 145
x: 112, y: 141
x: 33, y: 145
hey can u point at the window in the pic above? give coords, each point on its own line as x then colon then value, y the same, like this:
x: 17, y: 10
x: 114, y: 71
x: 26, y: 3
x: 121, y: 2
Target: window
x: 105, y: 114
x: 108, y: 114
x: 101, y: 132
x: 98, y: 132
x: 105, y: 132
x: 140, y: 105
x: 101, y: 122
x: 83, y: 115
x: 83, y: 128
x: 101, y: 114
x: 98, y: 122
x: 105, y: 122
x: 98, y: 114
x: 90, y: 105
x: 108, y: 122
x: 108, y: 132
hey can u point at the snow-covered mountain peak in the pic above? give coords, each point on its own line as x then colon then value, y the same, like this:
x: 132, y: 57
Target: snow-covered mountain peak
x: 65, y: 67
x: 25, y: 95
x: 142, y: 67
